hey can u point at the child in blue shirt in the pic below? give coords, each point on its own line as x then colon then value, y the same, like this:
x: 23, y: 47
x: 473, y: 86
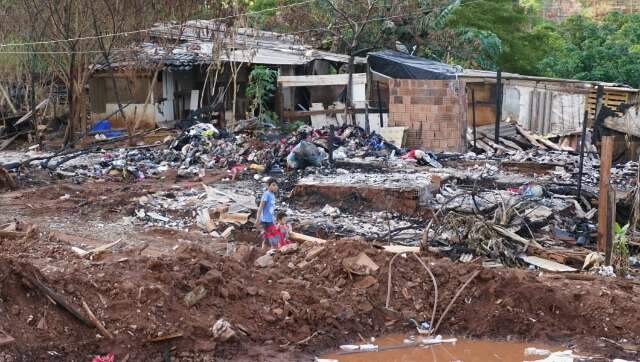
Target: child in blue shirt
x: 266, y: 210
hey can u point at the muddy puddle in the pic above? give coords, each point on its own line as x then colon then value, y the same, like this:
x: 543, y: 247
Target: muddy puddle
x: 394, y: 348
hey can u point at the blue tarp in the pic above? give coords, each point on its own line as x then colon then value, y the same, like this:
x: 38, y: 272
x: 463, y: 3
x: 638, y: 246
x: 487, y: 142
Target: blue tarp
x: 103, y: 126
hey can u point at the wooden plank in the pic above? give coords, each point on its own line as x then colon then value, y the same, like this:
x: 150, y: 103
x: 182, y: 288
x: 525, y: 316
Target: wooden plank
x: 399, y: 249
x: 302, y: 238
x: 28, y: 115
x: 510, y: 144
x: 548, y: 265
x: 547, y: 143
x: 5, y: 96
x: 319, y: 112
x: 320, y: 80
x: 606, y: 155
x: 485, y: 147
x: 394, y: 135
x: 236, y: 218
x: 526, y: 134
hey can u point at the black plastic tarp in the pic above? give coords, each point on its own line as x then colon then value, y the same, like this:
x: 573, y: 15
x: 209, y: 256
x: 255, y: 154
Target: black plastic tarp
x: 404, y: 66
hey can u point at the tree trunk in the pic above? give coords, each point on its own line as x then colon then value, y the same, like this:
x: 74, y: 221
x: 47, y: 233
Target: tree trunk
x: 71, y: 96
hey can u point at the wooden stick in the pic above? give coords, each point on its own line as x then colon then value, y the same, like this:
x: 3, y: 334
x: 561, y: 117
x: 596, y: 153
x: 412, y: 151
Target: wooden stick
x: 547, y: 143
x: 96, y: 322
x: 510, y: 144
x: 305, y: 238
x: 99, y: 249
x: 6, y: 339
x: 606, y: 155
x: 5, y: 96
x: 529, y: 137
x: 58, y: 299
x: 166, y: 338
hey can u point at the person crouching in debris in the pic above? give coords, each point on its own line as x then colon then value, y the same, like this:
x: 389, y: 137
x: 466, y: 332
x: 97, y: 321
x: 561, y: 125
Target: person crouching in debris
x: 264, y: 217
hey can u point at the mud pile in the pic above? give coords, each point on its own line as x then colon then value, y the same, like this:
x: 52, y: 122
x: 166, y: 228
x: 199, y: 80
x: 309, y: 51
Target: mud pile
x: 306, y: 303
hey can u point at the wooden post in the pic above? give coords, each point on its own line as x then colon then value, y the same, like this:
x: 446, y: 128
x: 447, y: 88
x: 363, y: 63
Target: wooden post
x: 583, y: 138
x: 367, y: 129
x: 611, y: 214
x: 498, y: 105
x: 604, y: 216
x: 473, y: 110
x: 331, y: 141
x: 379, y: 104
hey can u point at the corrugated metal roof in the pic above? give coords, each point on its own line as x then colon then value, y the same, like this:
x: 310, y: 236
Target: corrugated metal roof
x: 194, y: 43
x: 473, y: 73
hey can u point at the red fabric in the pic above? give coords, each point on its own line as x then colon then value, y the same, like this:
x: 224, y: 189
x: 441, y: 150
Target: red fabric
x: 271, y: 231
x: 411, y: 155
x: 277, y: 232
x: 108, y: 358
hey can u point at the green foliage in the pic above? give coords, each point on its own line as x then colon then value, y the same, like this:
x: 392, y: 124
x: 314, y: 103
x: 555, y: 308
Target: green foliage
x: 604, y: 50
x: 520, y: 49
x: 260, y: 90
x: 620, y: 249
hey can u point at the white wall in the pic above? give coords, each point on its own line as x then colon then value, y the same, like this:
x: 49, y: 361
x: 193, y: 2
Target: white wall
x: 544, y: 111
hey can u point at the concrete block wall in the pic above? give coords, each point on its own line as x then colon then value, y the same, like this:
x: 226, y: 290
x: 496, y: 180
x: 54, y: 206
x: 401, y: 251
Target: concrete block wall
x: 433, y: 111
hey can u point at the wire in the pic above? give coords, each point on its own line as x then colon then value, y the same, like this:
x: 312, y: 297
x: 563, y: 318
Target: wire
x: 127, y: 33
x: 187, y: 37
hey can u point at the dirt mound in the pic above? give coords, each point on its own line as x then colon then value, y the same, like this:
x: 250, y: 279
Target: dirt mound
x: 305, y: 303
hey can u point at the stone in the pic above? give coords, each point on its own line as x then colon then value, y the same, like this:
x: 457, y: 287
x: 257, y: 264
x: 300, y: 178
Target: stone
x: 278, y: 312
x: 264, y: 261
x: 222, y: 331
x: 205, y: 346
x: 360, y: 264
x: 15, y: 310
x: 193, y: 297
x: 289, y: 248
x: 213, y: 276
x: 252, y: 290
x: 365, y: 282
x: 285, y: 296
x: 267, y: 316
x: 242, y: 253
x: 314, y: 252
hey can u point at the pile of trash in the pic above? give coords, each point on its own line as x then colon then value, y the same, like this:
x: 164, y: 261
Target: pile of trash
x: 210, y: 209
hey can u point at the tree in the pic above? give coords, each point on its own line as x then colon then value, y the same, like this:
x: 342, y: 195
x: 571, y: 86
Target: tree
x: 70, y: 36
x: 522, y: 39
x: 606, y: 50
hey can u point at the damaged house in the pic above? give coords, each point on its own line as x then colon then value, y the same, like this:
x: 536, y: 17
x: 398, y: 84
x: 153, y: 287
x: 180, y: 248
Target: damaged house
x: 199, y: 67
x: 436, y: 102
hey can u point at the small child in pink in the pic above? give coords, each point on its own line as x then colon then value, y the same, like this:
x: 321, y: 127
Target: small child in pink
x: 283, y: 229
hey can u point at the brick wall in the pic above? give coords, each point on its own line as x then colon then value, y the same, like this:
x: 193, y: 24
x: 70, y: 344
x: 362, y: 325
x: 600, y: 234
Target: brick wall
x: 434, y: 112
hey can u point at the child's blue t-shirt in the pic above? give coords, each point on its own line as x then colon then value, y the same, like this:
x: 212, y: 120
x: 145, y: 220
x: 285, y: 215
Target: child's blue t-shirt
x: 269, y: 200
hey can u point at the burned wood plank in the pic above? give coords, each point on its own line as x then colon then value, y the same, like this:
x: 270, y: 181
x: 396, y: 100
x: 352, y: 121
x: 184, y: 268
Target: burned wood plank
x: 603, y: 197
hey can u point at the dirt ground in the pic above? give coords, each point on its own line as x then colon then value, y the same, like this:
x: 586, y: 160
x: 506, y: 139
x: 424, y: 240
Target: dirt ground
x: 305, y: 304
